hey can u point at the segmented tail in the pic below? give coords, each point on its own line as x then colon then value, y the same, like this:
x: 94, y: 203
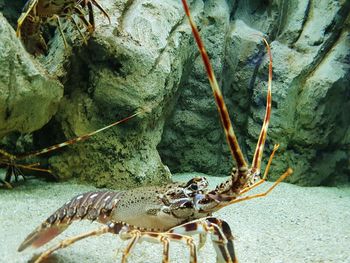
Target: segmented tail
x: 91, y: 206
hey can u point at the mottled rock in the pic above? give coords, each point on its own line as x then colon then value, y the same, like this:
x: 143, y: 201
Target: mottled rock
x: 311, y: 50
x: 193, y: 139
x: 136, y: 62
x: 29, y: 97
x: 147, y: 58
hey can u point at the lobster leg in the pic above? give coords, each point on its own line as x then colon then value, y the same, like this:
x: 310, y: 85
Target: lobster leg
x: 59, y: 25
x: 90, y: 26
x: 138, y: 236
x: 70, y: 241
x: 126, y: 232
x: 78, y: 29
x: 26, y: 10
x: 8, y: 185
x: 14, y: 170
x: 220, y: 235
x: 91, y: 15
x: 202, y: 240
x: 95, y: 3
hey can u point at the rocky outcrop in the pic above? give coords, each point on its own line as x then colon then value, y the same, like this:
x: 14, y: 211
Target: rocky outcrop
x: 147, y: 58
x: 311, y: 50
x: 29, y: 97
x: 137, y: 62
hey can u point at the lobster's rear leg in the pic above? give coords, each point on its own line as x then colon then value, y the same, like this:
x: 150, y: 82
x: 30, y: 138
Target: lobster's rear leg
x: 126, y: 232
x: 8, y: 185
x: 220, y: 232
x: 14, y: 170
x: 67, y: 242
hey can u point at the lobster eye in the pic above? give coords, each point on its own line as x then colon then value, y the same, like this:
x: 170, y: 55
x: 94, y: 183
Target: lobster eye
x: 194, y: 187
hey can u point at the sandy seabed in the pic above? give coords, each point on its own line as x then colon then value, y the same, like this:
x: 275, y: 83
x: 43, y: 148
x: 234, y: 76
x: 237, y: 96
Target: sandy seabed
x: 292, y: 224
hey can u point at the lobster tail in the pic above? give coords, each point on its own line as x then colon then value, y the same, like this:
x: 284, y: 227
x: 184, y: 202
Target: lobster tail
x: 91, y: 206
x: 42, y: 235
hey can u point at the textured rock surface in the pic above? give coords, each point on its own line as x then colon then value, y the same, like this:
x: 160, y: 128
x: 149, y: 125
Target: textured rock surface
x: 147, y: 57
x: 28, y: 96
x: 136, y: 62
x: 311, y: 52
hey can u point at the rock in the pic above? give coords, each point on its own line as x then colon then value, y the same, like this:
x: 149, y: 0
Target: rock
x: 29, y: 97
x: 135, y: 63
x: 193, y: 139
x: 310, y: 46
x: 147, y: 58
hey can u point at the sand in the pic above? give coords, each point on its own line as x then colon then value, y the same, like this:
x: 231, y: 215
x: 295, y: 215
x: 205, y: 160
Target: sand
x: 292, y: 224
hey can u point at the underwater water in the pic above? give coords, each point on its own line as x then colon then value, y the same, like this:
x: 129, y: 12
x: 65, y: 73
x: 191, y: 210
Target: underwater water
x: 116, y: 96
x: 292, y: 224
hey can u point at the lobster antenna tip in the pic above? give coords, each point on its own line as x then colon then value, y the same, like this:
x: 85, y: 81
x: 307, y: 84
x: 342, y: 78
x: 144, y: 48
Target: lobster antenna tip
x: 259, y: 34
x: 145, y: 109
x: 276, y: 146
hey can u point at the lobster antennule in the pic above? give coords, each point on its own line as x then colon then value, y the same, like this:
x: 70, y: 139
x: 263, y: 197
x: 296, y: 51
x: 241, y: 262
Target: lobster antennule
x: 221, y: 106
x: 256, y: 163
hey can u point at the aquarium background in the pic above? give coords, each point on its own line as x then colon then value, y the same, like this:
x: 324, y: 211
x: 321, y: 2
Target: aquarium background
x: 147, y: 58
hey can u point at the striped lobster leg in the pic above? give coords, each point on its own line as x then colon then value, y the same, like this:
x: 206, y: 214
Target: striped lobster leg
x: 220, y: 233
x: 127, y: 232
x: 90, y: 4
x: 110, y: 228
x: 13, y: 168
x: 137, y: 236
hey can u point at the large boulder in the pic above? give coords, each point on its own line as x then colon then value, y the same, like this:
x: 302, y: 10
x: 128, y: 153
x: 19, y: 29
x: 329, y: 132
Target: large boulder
x: 136, y: 62
x: 147, y: 58
x: 29, y: 97
x: 310, y: 46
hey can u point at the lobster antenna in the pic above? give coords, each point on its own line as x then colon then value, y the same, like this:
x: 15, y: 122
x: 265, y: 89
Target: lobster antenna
x: 78, y: 139
x: 256, y: 163
x: 221, y: 106
x: 95, y: 3
x: 7, y: 155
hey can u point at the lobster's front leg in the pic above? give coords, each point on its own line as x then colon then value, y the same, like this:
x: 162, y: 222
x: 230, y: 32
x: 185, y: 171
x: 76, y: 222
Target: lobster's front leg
x: 219, y: 231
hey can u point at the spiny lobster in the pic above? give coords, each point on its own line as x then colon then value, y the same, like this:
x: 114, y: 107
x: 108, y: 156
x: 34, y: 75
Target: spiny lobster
x: 37, y: 12
x: 14, y: 169
x: 175, y: 211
